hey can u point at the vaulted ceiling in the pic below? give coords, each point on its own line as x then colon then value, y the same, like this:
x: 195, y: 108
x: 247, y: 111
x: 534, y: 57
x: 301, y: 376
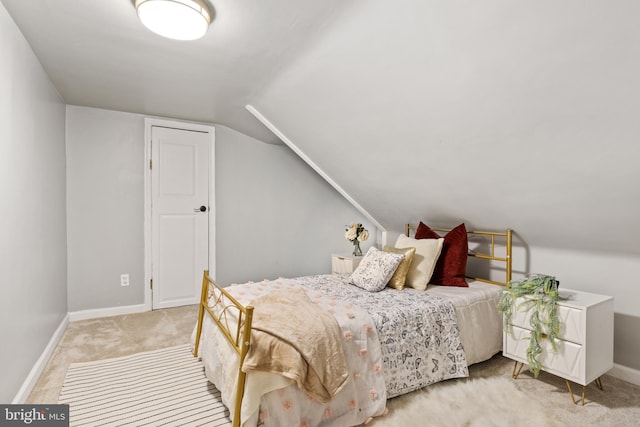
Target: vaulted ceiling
x: 496, y: 113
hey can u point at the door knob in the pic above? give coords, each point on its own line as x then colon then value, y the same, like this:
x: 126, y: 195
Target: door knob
x: 200, y: 209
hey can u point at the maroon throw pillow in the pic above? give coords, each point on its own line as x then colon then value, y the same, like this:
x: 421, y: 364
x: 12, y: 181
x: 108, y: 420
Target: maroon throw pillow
x: 452, y: 263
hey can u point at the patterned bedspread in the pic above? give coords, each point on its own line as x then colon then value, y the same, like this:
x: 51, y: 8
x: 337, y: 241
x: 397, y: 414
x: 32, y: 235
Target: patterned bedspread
x: 417, y: 343
x: 418, y: 332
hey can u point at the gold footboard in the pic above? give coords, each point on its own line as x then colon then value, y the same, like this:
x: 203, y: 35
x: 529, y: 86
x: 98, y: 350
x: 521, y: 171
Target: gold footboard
x: 239, y: 336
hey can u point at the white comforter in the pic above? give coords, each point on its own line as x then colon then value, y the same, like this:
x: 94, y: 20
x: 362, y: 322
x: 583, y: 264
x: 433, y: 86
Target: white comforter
x: 478, y: 318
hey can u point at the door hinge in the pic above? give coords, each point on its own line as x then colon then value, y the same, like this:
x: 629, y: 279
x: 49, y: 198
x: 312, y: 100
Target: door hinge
x: 150, y: 163
x: 151, y: 284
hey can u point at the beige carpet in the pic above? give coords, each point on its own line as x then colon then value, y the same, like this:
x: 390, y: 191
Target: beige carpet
x: 451, y: 403
x: 96, y: 339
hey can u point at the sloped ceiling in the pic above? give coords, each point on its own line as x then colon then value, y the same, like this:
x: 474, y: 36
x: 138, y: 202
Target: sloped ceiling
x: 496, y: 113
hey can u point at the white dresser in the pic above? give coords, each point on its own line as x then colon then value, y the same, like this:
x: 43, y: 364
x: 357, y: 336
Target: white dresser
x: 585, y: 349
x: 344, y: 264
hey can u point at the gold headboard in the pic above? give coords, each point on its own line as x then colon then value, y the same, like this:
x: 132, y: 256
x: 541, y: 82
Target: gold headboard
x: 490, y: 237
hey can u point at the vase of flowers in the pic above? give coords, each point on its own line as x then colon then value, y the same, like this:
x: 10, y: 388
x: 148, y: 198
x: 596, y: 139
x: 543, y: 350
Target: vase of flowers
x: 356, y: 233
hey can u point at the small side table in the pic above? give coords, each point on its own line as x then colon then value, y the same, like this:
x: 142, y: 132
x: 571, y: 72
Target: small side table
x: 344, y: 264
x: 585, y: 344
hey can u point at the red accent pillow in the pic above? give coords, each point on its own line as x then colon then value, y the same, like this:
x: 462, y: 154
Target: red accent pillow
x: 452, y: 264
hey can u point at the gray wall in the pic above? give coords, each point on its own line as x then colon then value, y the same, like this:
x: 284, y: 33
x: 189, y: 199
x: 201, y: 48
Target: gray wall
x: 33, y: 252
x: 275, y: 216
x: 105, y: 207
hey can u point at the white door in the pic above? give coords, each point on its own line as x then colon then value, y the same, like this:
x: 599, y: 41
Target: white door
x: 179, y: 214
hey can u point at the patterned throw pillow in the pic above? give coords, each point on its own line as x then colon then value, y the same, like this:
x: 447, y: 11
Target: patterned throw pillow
x: 375, y: 270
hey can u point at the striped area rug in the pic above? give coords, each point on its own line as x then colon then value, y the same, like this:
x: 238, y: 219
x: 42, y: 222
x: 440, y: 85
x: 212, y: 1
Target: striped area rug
x: 165, y: 387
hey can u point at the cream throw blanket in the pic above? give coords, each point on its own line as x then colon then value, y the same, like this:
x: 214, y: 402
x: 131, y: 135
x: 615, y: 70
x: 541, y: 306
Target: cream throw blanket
x: 293, y: 337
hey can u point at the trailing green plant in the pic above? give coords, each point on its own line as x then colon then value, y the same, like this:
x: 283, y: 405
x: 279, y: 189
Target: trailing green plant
x: 538, y: 293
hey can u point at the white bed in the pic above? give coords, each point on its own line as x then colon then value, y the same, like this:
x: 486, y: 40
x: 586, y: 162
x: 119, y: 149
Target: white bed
x: 414, y: 343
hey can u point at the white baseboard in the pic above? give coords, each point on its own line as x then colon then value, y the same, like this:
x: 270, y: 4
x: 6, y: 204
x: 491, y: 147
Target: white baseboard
x: 41, y: 363
x: 106, y: 312
x: 624, y: 373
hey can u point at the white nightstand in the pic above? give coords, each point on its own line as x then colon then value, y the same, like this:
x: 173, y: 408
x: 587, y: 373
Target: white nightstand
x: 585, y: 349
x: 344, y: 264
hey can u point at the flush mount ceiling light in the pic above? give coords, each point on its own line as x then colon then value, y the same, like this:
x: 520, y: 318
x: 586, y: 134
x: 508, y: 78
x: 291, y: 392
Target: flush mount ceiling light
x: 175, y: 19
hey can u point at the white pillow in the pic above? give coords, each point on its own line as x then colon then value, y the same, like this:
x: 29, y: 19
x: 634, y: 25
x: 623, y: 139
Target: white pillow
x: 424, y: 261
x: 375, y: 269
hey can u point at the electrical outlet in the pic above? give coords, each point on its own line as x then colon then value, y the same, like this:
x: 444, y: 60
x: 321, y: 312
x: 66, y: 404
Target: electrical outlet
x: 124, y: 280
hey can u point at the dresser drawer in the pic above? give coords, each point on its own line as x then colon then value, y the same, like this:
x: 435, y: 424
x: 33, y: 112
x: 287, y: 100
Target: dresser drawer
x: 567, y: 362
x: 585, y: 350
x: 343, y: 264
x: 570, y: 318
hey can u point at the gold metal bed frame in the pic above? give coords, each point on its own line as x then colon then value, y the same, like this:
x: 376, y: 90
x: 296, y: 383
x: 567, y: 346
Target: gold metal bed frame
x: 240, y: 339
x: 240, y: 336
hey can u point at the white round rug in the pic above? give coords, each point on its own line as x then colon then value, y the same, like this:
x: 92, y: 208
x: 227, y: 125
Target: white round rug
x: 484, y: 402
